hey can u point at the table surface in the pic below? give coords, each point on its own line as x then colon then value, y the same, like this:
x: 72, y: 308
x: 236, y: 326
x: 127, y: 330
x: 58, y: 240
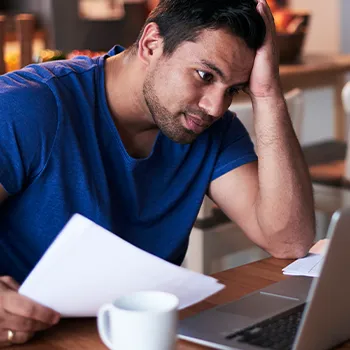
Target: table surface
x: 316, y: 63
x: 81, y: 334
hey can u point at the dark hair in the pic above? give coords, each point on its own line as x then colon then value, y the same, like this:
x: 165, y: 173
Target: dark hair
x: 183, y: 20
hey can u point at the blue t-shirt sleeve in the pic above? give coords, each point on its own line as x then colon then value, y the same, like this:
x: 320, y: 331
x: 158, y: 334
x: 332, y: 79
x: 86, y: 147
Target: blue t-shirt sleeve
x: 28, y: 125
x: 236, y: 147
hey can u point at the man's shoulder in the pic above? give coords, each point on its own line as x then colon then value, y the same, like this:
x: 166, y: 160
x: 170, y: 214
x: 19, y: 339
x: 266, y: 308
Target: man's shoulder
x: 27, y: 103
x: 49, y: 71
x: 21, y: 90
x: 37, y: 83
x: 58, y: 69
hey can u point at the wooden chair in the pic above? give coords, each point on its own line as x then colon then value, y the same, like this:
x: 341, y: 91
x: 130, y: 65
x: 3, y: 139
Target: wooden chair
x: 216, y: 243
x: 331, y: 173
x: 329, y: 161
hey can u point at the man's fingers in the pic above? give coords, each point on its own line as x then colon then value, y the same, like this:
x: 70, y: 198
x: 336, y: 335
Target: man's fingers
x: 22, y: 337
x: 18, y: 337
x: 20, y: 305
x: 266, y: 11
x: 270, y: 39
x: 21, y: 324
x: 262, y: 10
x: 10, y: 282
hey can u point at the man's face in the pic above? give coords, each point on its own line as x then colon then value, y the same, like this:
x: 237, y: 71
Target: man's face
x: 191, y: 89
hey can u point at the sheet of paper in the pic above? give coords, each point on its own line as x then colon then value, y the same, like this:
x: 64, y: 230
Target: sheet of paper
x: 87, y: 266
x: 308, y: 266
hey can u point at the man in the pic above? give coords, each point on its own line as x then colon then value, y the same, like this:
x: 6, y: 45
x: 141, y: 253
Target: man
x: 135, y: 139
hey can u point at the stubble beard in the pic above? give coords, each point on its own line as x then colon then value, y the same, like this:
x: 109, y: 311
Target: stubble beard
x: 169, y: 124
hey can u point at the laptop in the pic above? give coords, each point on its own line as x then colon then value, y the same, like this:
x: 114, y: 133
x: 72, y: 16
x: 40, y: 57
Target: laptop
x: 299, y: 313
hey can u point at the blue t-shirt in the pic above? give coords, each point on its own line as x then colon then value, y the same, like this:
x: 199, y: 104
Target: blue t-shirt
x: 60, y: 154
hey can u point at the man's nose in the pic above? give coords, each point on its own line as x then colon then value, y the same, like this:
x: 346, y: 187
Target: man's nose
x: 215, y: 104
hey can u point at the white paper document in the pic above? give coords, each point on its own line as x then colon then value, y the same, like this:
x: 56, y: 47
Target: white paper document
x: 308, y: 266
x: 87, y: 266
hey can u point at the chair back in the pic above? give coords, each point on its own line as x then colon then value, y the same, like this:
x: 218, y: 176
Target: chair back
x: 295, y: 103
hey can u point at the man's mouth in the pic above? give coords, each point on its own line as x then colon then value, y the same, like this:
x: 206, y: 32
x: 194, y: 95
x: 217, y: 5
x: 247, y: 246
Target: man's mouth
x: 195, y: 123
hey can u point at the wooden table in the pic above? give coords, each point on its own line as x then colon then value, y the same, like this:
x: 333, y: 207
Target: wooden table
x: 81, y: 334
x: 317, y: 71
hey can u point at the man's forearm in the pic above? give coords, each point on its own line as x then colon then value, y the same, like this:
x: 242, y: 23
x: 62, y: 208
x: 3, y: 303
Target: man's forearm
x: 284, y: 207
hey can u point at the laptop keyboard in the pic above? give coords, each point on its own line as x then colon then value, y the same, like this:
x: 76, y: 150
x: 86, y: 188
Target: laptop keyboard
x: 277, y: 333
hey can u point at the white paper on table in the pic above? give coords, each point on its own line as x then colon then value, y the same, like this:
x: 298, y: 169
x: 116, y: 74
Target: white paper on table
x: 87, y: 266
x: 308, y: 266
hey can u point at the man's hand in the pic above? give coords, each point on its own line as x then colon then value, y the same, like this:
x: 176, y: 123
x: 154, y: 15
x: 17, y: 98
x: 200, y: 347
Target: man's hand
x: 264, y: 78
x: 20, y: 317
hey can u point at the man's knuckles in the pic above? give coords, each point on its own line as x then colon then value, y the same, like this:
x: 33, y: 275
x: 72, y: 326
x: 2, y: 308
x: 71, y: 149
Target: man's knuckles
x: 19, y: 305
x: 18, y: 323
x: 4, y: 287
x: 9, y: 281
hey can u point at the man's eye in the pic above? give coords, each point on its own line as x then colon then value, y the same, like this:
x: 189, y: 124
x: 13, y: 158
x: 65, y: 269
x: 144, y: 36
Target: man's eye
x: 205, y: 76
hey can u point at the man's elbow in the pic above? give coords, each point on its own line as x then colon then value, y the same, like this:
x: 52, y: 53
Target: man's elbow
x: 291, y: 249
x: 290, y: 240
x: 294, y: 251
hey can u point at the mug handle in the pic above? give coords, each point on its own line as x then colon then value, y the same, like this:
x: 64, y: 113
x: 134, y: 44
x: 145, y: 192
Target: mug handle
x: 103, y: 324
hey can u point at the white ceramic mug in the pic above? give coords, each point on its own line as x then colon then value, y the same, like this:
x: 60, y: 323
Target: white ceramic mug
x: 145, y: 320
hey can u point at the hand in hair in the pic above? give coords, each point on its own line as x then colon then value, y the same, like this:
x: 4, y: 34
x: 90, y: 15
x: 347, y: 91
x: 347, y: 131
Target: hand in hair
x: 264, y: 79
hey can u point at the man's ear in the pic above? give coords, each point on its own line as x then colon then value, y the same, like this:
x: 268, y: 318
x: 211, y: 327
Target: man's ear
x: 150, y: 44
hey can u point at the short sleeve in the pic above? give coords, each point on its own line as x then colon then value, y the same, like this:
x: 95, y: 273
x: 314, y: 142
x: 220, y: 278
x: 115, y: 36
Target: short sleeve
x: 236, y: 147
x: 28, y: 124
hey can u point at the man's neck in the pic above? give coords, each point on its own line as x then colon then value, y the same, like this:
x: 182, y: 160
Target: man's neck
x: 124, y: 84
